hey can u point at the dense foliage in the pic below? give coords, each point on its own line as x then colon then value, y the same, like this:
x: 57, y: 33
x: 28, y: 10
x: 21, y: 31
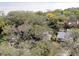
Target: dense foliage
x: 34, y: 33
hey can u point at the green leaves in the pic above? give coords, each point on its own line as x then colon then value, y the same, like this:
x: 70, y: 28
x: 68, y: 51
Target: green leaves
x: 2, y: 21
